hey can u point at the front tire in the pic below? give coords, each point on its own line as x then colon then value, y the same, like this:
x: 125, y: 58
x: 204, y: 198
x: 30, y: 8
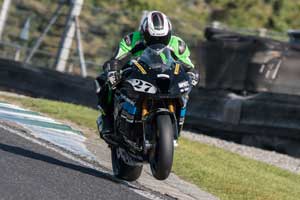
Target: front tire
x: 123, y: 170
x: 162, y: 161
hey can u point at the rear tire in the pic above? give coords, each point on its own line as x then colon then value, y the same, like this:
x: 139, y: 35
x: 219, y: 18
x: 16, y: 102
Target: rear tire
x: 123, y: 170
x: 162, y: 161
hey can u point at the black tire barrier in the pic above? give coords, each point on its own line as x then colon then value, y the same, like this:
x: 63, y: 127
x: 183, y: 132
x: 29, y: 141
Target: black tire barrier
x: 253, y: 114
x: 247, y: 63
x: 46, y: 83
x: 265, y: 120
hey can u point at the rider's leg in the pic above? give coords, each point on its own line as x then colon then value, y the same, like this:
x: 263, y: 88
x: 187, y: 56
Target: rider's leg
x: 105, y: 105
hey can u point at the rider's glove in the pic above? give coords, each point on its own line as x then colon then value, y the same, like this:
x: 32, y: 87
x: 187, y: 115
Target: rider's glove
x: 111, y: 68
x: 194, y: 78
x: 113, y: 78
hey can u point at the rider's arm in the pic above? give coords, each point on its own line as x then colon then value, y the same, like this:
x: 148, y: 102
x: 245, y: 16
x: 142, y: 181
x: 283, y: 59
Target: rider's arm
x: 130, y: 44
x: 181, y: 51
x: 124, y: 47
x: 185, y: 58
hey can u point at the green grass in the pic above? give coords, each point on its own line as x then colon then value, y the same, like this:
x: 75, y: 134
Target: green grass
x: 230, y: 176
x: 224, y: 174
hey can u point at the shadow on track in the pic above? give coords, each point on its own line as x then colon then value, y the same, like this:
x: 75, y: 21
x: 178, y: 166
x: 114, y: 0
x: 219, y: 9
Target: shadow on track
x: 44, y: 158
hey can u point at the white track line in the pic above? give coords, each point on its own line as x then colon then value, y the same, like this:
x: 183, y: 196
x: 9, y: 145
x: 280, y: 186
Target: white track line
x: 29, y: 116
x: 7, y: 105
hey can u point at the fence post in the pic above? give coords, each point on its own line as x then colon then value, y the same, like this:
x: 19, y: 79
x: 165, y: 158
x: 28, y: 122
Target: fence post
x: 68, y: 36
x: 18, y: 53
x: 262, y: 32
x: 3, y: 16
x: 216, y: 24
x: 80, y: 49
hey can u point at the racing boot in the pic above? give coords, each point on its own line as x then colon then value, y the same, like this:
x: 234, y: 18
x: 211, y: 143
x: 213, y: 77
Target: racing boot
x: 104, y: 124
x: 105, y: 128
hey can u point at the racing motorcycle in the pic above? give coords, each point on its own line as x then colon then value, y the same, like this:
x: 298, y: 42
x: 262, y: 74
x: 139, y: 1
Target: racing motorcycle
x: 149, y: 111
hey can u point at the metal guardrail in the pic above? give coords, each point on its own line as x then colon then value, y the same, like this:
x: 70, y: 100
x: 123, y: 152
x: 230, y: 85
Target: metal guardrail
x: 42, y: 58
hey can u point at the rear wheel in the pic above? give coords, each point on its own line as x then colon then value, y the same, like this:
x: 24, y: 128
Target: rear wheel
x: 123, y: 170
x: 162, y: 161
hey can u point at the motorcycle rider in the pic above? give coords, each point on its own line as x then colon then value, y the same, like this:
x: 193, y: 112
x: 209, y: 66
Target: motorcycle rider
x: 154, y: 29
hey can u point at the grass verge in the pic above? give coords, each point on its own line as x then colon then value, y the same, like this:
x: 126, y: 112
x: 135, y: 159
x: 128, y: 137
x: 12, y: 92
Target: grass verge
x: 224, y: 174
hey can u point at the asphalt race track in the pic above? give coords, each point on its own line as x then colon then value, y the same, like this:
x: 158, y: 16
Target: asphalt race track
x: 30, y: 171
x: 46, y: 159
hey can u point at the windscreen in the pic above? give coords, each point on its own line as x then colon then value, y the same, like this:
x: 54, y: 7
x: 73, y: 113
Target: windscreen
x: 157, y: 56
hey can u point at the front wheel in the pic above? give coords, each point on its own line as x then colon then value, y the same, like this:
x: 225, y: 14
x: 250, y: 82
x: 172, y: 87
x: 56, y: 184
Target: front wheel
x: 123, y: 170
x: 162, y: 161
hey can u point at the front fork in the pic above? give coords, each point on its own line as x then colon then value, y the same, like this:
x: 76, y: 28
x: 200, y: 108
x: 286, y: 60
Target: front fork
x: 145, y: 110
x: 148, y: 116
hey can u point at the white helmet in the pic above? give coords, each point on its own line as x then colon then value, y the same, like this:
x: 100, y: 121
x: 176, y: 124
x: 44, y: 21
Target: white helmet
x: 156, y: 28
